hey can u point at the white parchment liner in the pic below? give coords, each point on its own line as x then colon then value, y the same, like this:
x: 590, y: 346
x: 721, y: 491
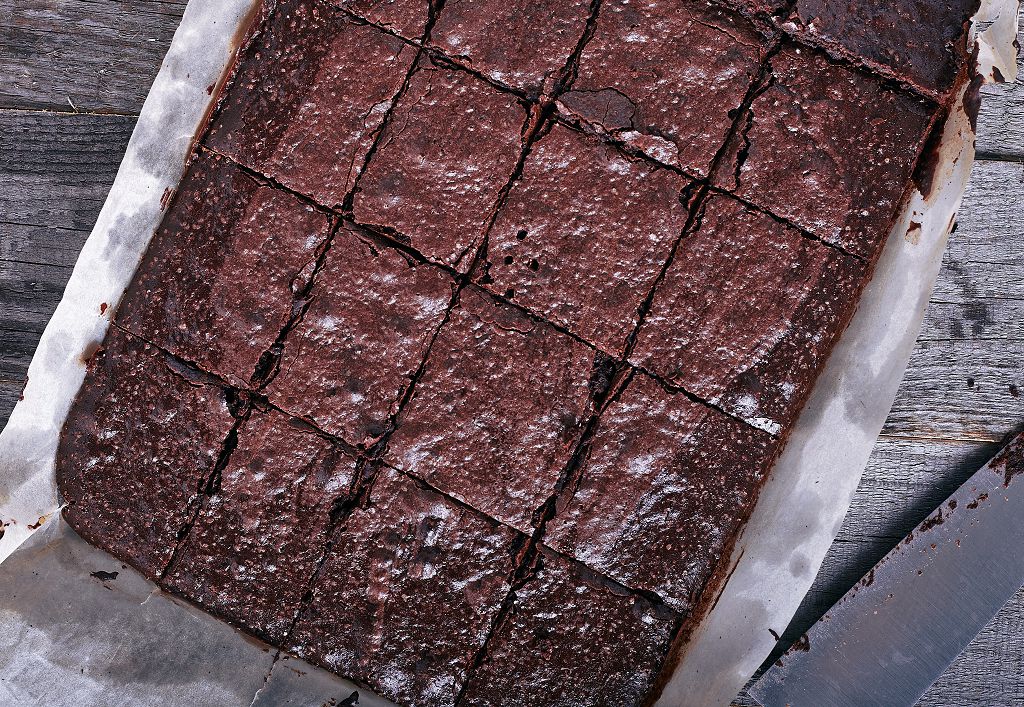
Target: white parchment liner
x: 77, y: 639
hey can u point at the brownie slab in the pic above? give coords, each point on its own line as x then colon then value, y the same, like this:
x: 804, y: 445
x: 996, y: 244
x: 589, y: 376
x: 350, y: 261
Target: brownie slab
x: 666, y: 485
x: 584, y: 234
x: 664, y: 76
x: 918, y: 41
x: 408, y: 593
x: 498, y: 412
x: 748, y: 312
x: 451, y: 146
x: 217, y: 283
x: 830, y: 149
x: 139, y: 443
x: 372, y: 316
x: 255, y: 546
x: 405, y: 17
x: 519, y: 43
x: 572, y: 638
x: 308, y: 97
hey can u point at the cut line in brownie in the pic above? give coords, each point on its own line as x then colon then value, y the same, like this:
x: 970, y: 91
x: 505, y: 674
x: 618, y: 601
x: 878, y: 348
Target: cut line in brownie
x: 572, y: 637
x: 829, y: 148
x: 308, y: 97
x: 748, y: 312
x: 583, y: 235
x: 408, y: 593
x: 218, y: 280
x: 372, y: 315
x: 919, y: 42
x: 524, y: 44
x: 666, y: 77
x: 451, y: 147
x: 666, y: 484
x: 258, y: 540
x: 405, y: 17
x: 136, y: 451
x: 498, y: 412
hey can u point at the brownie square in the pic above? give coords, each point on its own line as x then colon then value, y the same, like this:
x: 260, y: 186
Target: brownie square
x: 408, y: 593
x: 217, y: 283
x: 372, y: 316
x: 573, y: 638
x: 450, y: 148
x: 917, y: 41
x: 519, y: 43
x: 748, y: 312
x: 405, y: 17
x: 254, y: 548
x: 141, y: 440
x: 830, y: 149
x: 665, y: 76
x: 308, y: 97
x: 584, y: 234
x: 497, y: 414
x: 667, y: 484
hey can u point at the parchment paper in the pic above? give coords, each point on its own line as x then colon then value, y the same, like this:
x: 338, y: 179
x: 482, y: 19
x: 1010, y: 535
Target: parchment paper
x: 74, y: 638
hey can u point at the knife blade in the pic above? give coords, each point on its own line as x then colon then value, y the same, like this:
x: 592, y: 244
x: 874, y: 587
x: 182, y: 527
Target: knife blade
x: 891, y: 636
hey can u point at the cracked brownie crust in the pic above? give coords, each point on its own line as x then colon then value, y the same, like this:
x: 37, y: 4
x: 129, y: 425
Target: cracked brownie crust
x: 475, y: 328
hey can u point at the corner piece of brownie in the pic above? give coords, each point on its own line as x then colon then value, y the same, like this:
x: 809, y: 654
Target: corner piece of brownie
x: 748, y: 312
x: 572, y: 637
x: 408, y: 593
x: 499, y: 410
x: 256, y: 544
x: 372, y: 315
x: 665, y: 77
x: 665, y: 486
x: 136, y: 450
x: 217, y: 283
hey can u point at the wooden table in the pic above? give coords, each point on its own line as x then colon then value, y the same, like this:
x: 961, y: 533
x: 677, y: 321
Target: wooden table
x: 73, y: 76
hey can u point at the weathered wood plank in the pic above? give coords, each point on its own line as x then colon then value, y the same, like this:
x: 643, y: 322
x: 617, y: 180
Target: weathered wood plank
x: 84, y: 55
x: 1001, y: 123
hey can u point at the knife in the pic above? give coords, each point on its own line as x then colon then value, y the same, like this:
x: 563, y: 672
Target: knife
x: 892, y: 635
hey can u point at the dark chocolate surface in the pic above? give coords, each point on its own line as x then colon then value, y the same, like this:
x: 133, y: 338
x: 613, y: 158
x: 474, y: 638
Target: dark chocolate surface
x: 664, y: 77
x: 583, y: 236
x: 918, y: 41
x: 499, y: 409
x: 830, y: 149
x: 372, y: 315
x: 667, y: 483
x: 405, y: 17
x: 408, y: 593
x: 217, y: 283
x: 136, y: 449
x: 572, y: 638
x: 311, y: 127
x: 256, y: 543
x: 519, y: 43
x: 748, y: 312
x: 451, y: 147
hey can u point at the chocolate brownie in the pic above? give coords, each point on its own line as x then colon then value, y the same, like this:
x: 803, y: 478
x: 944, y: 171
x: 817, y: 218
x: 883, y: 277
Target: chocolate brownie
x: 450, y: 148
x: 217, y: 283
x: 572, y: 638
x: 829, y: 148
x: 665, y: 77
x: 405, y: 17
x: 498, y: 412
x: 667, y: 483
x: 918, y: 41
x: 308, y: 96
x: 519, y: 43
x: 373, y: 313
x: 748, y: 312
x: 137, y: 447
x: 408, y: 593
x: 255, y: 546
x: 584, y: 234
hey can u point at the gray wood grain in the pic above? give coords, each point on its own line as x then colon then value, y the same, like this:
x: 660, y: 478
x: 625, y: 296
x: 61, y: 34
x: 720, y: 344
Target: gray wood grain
x: 955, y: 403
